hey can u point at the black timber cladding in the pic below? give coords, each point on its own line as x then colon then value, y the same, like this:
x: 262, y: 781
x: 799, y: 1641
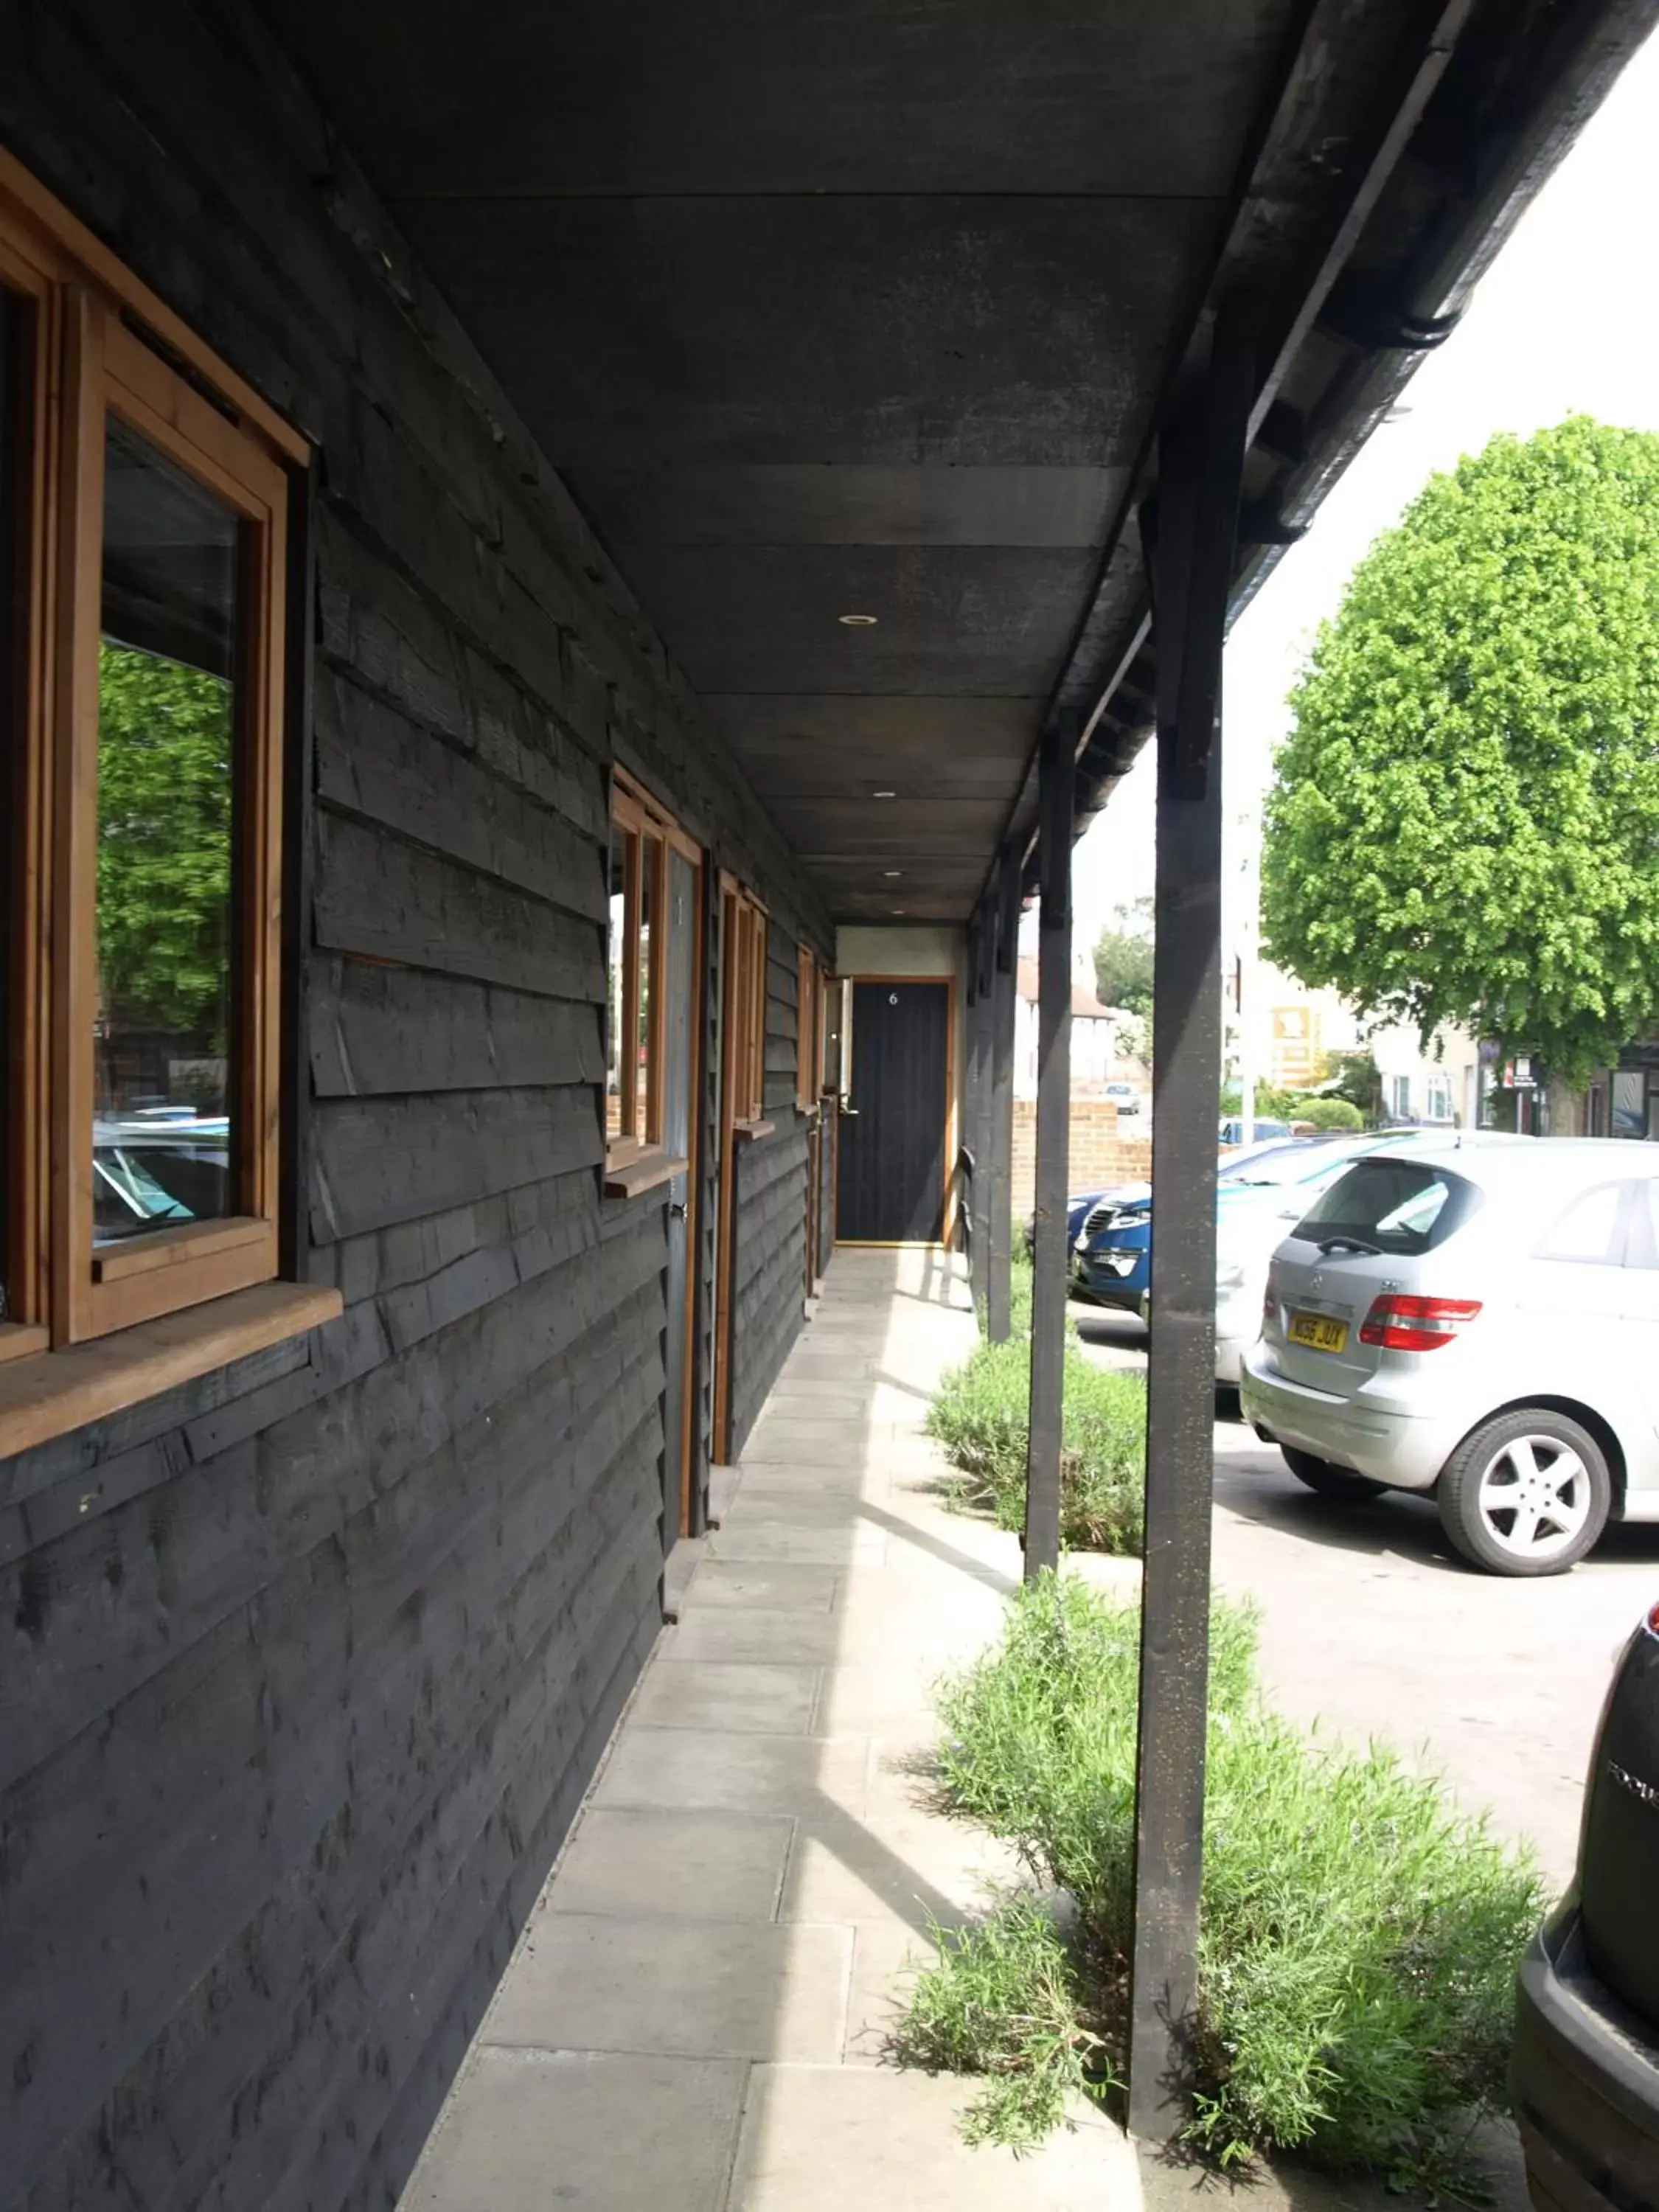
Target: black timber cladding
x: 308, y: 1663
x: 769, y: 1262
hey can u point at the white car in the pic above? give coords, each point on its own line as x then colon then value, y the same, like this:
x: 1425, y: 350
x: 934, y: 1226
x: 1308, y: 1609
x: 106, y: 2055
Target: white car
x: 1257, y: 1199
x: 1124, y: 1097
x: 1479, y: 1320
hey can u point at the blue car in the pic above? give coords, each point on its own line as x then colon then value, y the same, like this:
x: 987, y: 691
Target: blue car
x: 1111, y: 1248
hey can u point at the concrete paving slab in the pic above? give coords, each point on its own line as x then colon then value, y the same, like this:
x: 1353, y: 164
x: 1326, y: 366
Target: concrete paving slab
x: 675, y: 1988
x: 758, y: 1861
x: 815, y: 1398
x: 878, y: 1701
x: 816, y: 1439
x: 668, y: 1769
x: 731, y: 1634
x: 887, y: 1956
x: 768, y: 1503
x: 897, y: 1870
x: 841, y: 1366
x: 903, y: 1778
x: 748, y: 1699
x: 688, y: 1866
x: 772, y: 1585
x: 897, y: 2141
x: 535, y: 2128
x: 853, y: 1544
x: 789, y: 1467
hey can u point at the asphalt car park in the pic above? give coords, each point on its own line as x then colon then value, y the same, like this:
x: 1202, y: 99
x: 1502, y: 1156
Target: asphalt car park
x: 1371, y: 1625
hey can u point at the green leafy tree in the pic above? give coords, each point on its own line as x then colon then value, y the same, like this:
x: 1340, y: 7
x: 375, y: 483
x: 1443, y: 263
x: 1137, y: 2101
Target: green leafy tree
x: 165, y: 740
x: 1123, y: 961
x: 1271, y: 1105
x: 1328, y: 1112
x: 1357, y: 1079
x: 1465, y: 826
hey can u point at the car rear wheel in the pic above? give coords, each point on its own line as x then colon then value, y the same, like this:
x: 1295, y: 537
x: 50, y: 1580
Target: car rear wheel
x: 1327, y: 1480
x: 1527, y: 1493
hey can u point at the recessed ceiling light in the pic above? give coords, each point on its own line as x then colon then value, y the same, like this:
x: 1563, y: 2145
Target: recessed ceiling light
x: 883, y: 794
x: 891, y: 873
x: 858, y: 622
x: 898, y: 909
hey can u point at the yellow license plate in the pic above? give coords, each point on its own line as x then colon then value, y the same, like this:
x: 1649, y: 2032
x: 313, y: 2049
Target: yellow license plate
x: 1318, y: 1331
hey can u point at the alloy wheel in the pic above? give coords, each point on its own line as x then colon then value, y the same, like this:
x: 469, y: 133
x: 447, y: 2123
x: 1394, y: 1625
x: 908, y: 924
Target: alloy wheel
x: 1534, y: 1497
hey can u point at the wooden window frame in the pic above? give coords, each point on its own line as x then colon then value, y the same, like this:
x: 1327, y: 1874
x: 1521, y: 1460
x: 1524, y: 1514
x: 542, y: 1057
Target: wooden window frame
x: 114, y: 375
x: 752, y: 1061
x: 744, y: 927
x: 809, y: 1014
x: 635, y: 1157
x: 111, y: 1324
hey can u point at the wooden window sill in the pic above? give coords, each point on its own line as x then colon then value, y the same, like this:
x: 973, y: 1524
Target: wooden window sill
x: 639, y: 1170
x: 51, y: 1392
x: 172, y: 1248
x: 21, y: 1340
x: 746, y: 1132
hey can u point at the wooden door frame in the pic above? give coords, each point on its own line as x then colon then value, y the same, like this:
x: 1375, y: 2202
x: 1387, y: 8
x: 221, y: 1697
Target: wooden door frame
x: 947, y: 1216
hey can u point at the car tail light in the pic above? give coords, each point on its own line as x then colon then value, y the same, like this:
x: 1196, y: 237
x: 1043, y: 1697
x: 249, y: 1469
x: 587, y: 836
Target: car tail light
x: 1653, y: 1620
x: 1400, y: 1324
x: 1269, y: 1306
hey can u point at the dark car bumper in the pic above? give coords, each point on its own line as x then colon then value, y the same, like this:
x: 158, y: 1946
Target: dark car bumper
x: 1585, y: 2078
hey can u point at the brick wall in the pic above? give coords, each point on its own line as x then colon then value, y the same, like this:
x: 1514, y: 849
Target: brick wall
x: 1103, y: 1152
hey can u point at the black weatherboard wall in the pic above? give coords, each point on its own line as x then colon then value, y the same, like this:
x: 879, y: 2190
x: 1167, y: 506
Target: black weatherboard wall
x: 306, y: 1664
x: 769, y: 1262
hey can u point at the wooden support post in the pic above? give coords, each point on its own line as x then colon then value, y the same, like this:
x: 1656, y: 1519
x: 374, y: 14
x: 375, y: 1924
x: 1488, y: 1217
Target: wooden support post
x: 1000, y: 1139
x: 975, y: 1118
x: 1200, y: 459
x: 1057, y: 774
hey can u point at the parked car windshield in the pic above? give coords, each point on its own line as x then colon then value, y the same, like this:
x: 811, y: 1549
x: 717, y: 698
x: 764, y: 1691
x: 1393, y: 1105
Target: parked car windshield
x: 1386, y: 1204
x: 1298, y: 1162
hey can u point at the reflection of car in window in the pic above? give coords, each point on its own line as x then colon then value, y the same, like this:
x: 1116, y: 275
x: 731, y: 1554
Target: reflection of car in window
x: 158, y: 1168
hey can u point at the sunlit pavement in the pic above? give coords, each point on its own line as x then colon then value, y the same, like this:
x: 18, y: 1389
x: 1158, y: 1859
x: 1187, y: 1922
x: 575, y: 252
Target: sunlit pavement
x: 697, y: 2015
x: 1370, y: 1627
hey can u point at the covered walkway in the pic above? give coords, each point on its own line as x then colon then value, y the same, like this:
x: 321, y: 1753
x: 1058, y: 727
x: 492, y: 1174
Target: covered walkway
x: 697, y: 2011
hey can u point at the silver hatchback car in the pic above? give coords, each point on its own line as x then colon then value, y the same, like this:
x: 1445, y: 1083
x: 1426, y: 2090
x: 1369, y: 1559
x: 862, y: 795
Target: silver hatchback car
x: 1481, y: 1321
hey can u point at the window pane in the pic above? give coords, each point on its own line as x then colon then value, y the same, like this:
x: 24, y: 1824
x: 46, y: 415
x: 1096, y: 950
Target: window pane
x: 650, y: 852
x: 622, y: 853
x: 1643, y: 1250
x: 13, y: 605
x: 1630, y: 1112
x: 164, y: 1025
x: 1394, y: 1205
x: 1589, y: 1229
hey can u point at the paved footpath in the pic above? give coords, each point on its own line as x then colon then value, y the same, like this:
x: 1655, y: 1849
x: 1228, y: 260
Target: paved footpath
x: 695, y: 2016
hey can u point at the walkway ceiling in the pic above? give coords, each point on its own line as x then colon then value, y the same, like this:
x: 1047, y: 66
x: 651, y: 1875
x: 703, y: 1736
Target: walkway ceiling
x: 868, y: 307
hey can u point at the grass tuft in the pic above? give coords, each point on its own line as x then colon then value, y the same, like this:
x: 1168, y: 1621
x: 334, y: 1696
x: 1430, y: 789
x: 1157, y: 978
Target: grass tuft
x: 1358, y: 1940
x: 981, y: 1415
x: 1001, y: 2002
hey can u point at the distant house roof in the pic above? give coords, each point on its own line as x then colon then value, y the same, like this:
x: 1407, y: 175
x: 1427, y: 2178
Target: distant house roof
x: 1085, y: 1007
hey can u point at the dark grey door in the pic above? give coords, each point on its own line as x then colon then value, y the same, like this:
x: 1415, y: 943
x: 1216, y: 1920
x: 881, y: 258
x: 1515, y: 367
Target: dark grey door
x: 679, y: 1014
x: 892, y: 1136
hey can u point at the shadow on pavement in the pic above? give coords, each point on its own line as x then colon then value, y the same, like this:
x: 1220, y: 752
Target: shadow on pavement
x: 1395, y: 1520
x: 1169, y: 2181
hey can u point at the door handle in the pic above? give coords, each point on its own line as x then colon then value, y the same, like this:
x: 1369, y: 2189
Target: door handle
x: 848, y: 1110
